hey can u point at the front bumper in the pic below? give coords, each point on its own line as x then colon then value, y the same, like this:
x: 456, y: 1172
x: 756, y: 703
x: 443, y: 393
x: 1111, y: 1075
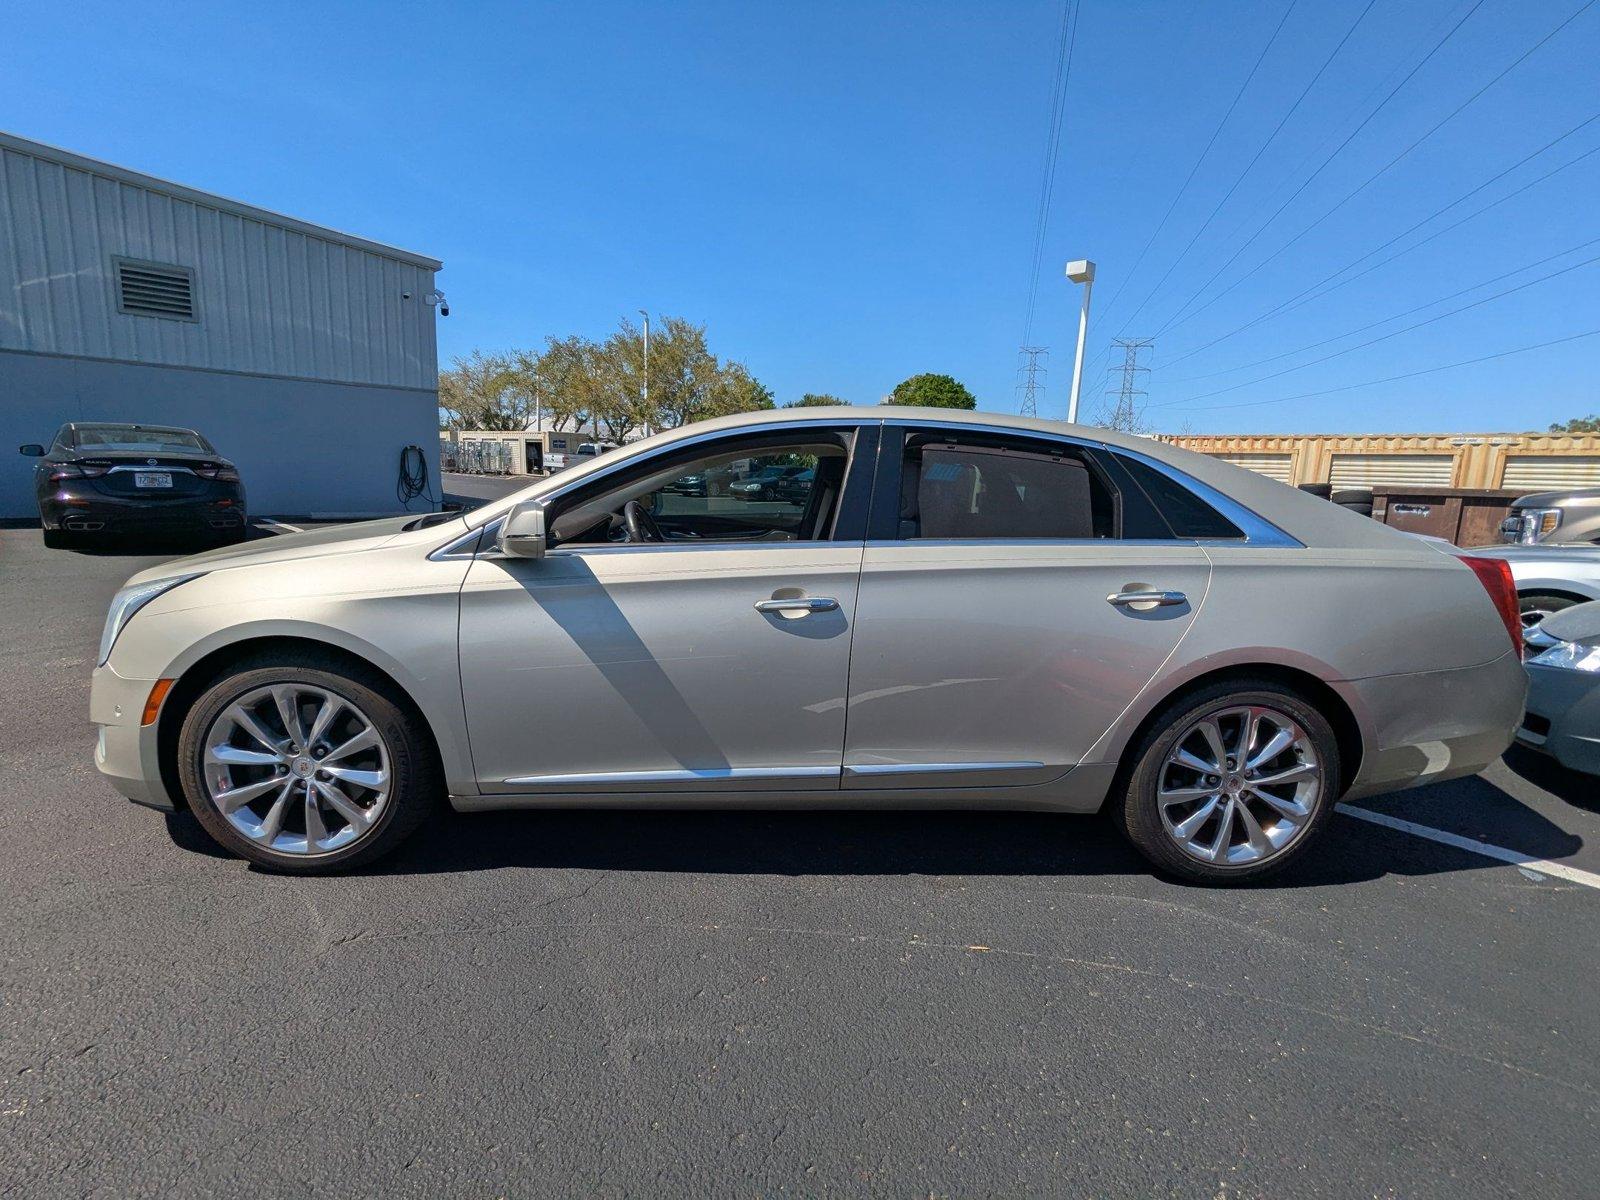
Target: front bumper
x: 1436, y: 725
x: 126, y: 752
x: 1563, y: 717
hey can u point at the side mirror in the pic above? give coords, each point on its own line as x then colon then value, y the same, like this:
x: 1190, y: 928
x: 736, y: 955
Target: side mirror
x: 32, y: 450
x: 522, y: 535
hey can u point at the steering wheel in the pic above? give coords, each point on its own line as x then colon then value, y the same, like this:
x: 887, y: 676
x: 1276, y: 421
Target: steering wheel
x: 641, y: 525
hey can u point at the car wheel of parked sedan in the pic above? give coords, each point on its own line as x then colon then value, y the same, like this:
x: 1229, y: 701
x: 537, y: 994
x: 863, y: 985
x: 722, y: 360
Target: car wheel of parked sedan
x: 1231, y: 783
x: 306, y: 765
x: 1536, y: 606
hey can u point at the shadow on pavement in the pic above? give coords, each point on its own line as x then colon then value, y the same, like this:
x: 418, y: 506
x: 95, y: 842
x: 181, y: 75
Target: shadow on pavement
x: 1580, y: 790
x: 902, y: 843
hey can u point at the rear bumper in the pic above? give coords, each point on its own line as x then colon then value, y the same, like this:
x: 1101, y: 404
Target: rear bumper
x: 1436, y: 725
x: 126, y: 752
x: 78, y: 506
x: 1563, y: 717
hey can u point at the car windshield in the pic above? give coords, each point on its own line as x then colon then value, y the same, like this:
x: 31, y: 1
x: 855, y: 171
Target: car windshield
x: 137, y: 437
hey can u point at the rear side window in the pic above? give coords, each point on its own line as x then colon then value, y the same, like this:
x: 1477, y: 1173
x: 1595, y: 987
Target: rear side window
x: 981, y: 492
x: 1187, y: 514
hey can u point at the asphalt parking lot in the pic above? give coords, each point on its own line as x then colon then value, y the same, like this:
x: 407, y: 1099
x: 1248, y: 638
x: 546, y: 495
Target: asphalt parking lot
x: 761, y: 1004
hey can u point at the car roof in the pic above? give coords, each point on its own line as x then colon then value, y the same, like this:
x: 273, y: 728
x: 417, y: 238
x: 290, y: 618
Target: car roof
x: 1307, y: 518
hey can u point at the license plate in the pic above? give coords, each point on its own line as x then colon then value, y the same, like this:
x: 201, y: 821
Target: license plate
x: 152, y: 479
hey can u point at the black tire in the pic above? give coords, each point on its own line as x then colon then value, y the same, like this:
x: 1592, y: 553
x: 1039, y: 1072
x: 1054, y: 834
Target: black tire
x: 1345, y: 496
x: 1323, y: 490
x: 1361, y: 510
x: 417, y: 789
x: 1535, y: 606
x: 1136, y: 811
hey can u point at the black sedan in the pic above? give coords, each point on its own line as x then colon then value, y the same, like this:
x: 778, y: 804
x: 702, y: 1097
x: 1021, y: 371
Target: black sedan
x: 99, y: 480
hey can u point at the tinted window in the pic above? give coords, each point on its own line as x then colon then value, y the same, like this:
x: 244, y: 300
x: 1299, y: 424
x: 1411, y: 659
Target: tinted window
x: 1002, y: 491
x: 134, y: 437
x: 1187, y: 514
x: 769, y: 492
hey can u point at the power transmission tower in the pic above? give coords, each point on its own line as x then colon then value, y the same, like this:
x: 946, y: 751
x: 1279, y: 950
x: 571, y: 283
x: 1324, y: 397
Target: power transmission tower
x: 1032, y: 385
x: 1126, y: 415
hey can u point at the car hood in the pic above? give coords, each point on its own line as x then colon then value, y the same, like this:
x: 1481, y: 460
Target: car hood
x: 1580, y: 623
x: 1556, y: 552
x: 314, y: 543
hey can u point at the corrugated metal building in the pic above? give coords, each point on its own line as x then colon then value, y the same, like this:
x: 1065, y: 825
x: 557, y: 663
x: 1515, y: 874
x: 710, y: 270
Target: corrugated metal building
x: 1525, y: 462
x: 305, y: 355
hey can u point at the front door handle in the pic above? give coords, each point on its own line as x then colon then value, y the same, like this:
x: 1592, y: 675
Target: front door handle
x: 799, y: 605
x: 1152, y: 598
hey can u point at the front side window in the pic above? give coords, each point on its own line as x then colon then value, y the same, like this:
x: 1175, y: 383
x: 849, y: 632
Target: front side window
x: 766, y: 489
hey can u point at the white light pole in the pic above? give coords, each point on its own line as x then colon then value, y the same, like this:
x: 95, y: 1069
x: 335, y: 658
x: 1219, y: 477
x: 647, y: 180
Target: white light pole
x: 646, y: 396
x: 1080, y: 270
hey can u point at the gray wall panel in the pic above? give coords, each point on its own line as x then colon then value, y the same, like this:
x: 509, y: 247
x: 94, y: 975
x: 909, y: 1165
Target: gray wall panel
x: 302, y: 447
x: 272, y: 298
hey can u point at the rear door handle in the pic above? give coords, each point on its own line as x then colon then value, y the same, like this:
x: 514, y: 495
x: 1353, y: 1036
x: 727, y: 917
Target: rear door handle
x: 798, y: 604
x: 1153, y: 598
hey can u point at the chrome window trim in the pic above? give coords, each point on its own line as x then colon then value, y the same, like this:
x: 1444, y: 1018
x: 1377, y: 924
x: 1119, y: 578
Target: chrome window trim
x: 1258, y: 531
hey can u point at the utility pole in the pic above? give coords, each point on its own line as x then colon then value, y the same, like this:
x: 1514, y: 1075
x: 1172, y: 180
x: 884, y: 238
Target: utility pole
x: 1126, y: 416
x: 1032, y: 384
x: 645, y: 398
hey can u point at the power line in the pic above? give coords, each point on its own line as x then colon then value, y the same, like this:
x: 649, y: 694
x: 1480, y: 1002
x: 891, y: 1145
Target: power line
x: 1337, y: 150
x: 1290, y: 304
x: 1194, y: 170
x: 1052, y: 152
x: 1300, y: 165
x: 1032, y: 385
x: 1350, y: 387
x: 1396, y: 333
x: 1228, y: 195
x: 1261, y: 362
x: 1455, y: 112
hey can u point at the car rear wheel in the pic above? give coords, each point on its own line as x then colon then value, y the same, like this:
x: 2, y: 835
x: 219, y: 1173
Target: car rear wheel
x: 1231, y: 782
x: 306, y: 765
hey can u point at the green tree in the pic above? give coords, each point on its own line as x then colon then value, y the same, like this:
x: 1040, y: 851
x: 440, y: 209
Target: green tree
x: 484, y: 391
x: 816, y: 400
x: 1589, y: 424
x: 932, y: 391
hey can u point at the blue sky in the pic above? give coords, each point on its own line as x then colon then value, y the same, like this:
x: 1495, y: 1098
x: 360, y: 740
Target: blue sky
x: 846, y: 194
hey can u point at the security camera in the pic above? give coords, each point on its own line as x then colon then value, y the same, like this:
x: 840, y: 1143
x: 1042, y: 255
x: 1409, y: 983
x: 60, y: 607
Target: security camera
x: 405, y: 295
x: 438, y: 301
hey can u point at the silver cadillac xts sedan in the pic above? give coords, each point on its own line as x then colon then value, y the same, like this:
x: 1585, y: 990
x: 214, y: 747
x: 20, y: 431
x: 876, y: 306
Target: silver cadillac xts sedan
x: 958, y: 610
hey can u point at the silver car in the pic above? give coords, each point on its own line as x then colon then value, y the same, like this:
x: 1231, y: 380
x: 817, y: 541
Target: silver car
x: 1549, y: 577
x: 962, y: 610
x: 1563, y: 717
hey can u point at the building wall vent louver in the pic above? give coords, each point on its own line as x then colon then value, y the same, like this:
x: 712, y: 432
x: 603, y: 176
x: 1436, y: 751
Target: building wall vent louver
x: 147, y: 289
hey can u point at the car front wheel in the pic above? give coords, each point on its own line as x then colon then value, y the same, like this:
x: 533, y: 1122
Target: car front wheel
x: 306, y: 765
x: 1231, y: 782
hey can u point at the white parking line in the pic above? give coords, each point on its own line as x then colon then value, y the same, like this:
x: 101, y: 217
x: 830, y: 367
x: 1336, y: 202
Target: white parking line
x: 1543, y: 865
x: 281, y: 525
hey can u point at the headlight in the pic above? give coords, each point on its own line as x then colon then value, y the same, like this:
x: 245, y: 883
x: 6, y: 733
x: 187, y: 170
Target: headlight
x: 1571, y: 656
x: 129, y: 601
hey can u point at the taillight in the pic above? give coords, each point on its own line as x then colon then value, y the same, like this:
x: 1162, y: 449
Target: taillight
x: 77, y: 471
x: 214, y: 471
x: 1495, y: 575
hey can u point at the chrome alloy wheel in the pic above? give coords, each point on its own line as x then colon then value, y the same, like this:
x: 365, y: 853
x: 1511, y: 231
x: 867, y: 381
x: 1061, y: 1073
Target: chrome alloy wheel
x: 296, y: 769
x: 1239, y: 786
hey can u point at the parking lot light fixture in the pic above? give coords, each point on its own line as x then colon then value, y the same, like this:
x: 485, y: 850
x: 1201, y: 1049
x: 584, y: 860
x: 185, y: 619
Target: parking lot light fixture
x: 1080, y: 270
